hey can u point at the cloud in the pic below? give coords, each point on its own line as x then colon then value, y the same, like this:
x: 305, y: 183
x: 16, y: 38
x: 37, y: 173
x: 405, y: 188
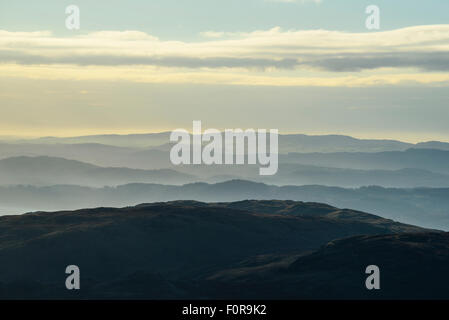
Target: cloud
x: 423, y: 47
x: 293, y: 53
x: 428, y: 61
x: 148, y: 74
x: 163, y: 61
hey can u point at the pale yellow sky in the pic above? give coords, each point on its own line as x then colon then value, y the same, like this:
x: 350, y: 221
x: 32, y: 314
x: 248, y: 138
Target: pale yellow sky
x: 390, y: 84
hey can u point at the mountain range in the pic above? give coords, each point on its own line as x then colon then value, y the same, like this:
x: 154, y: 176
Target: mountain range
x: 47, y: 171
x: 226, y: 231
x: 421, y: 206
x: 287, y: 142
x: 427, y: 159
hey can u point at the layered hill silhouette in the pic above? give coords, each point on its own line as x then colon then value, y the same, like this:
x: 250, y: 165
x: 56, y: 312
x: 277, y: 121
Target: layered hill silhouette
x: 47, y: 171
x: 185, y: 249
x: 407, y: 168
x: 92, y: 153
x: 213, y: 243
x: 428, y: 159
x: 288, y: 142
x: 297, y: 174
x: 421, y: 206
x: 42, y: 170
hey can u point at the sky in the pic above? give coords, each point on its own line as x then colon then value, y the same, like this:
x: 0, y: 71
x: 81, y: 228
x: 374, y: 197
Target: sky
x: 305, y: 66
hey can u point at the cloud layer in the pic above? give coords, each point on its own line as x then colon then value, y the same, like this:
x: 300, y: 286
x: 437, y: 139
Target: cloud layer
x: 419, y: 49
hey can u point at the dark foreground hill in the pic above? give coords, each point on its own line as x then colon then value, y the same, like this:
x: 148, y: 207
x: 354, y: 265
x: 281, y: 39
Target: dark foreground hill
x: 180, y: 249
x: 412, y: 266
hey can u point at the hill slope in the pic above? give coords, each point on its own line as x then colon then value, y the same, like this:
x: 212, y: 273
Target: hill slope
x: 412, y: 266
x: 44, y: 171
x: 425, y: 159
x: 165, y: 242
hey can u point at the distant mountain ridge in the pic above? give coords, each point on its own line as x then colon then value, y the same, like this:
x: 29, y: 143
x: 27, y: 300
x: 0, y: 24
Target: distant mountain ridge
x: 47, y: 171
x: 420, y: 206
x: 287, y: 142
x: 427, y: 159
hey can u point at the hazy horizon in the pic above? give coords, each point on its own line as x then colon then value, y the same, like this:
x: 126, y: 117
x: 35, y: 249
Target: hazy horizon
x: 421, y: 139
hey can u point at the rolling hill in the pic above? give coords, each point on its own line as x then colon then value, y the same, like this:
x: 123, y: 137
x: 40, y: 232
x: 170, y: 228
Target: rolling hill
x: 288, y: 142
x: 427, y: 159
x: 45, y: 171
x: 412, y: 266
x: 169, y: 248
